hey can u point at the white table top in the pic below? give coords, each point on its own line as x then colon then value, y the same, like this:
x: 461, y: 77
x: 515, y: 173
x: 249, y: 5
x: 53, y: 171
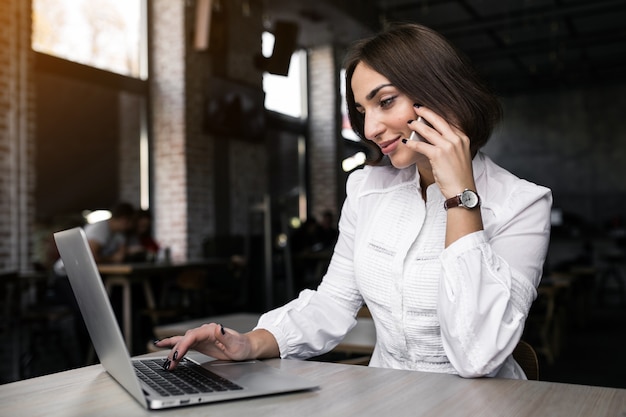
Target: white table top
x: 345, y: 390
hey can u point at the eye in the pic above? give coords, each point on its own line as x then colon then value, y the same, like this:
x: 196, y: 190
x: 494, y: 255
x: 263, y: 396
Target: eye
x: 386, y: 102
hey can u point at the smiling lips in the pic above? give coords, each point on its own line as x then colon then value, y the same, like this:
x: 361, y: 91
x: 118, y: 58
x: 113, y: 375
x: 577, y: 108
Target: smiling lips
x: 389, y: 146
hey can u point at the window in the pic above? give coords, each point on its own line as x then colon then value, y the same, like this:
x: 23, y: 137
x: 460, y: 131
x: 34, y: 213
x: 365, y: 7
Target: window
x: 286, y: 95
x: 91, y: 56
x: 346, y: 127
x: 358, y: 158
x: 107, y: 34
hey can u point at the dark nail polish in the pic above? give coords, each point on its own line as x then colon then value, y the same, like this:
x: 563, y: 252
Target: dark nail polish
x: 222, y: 329
x: 405, y: 140
x: 155, y: 341
x: 417, y: 105
x: 410, y: 121
x: 167, y: 364
x: 176, y: 355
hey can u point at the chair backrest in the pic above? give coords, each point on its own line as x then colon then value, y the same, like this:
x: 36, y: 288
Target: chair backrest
x: 9, y: 294
x: 525, y: 355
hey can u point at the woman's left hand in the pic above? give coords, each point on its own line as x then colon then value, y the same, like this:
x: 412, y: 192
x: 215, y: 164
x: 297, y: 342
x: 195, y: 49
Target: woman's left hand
x: 448, y: 151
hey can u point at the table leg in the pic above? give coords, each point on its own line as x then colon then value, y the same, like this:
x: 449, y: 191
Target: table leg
x: 147, y: 290
x: 123, y: 282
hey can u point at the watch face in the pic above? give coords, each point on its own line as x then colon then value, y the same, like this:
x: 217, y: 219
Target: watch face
x: 469, y: 199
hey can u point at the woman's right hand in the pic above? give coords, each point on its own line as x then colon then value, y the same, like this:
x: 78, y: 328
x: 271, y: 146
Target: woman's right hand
x: 210, y: 339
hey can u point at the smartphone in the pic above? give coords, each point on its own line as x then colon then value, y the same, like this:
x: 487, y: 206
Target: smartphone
x: 416, y: 136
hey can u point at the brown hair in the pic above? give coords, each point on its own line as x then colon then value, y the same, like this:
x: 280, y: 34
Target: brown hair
x: 431, y: 71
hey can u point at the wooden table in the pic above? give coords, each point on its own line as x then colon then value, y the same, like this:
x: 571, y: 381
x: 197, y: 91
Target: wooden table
x: 345, y: 390
x: 124, y: 275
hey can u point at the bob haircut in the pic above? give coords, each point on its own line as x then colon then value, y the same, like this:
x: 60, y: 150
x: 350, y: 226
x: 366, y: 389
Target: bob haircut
x: 431, y: 71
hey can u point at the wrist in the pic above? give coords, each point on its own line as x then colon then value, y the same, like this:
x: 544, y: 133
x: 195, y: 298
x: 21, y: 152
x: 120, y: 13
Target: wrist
x: 262, y: 344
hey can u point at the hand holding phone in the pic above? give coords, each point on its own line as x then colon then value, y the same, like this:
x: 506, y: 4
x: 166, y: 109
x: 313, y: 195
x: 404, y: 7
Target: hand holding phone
x: 416, y: 136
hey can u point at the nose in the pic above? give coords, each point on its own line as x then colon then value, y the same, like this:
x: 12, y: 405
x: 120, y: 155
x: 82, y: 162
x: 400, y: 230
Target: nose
x: 372, y: 127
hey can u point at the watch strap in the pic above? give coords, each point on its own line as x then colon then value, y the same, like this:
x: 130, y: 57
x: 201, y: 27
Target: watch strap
x: 452, y: 202
x: 458, y: 200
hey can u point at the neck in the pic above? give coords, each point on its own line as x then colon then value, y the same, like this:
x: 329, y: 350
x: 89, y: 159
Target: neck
x: 426, y: 177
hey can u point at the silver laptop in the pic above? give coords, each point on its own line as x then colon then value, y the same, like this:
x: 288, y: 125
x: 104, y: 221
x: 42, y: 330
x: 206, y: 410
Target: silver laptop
x: 144, y: 378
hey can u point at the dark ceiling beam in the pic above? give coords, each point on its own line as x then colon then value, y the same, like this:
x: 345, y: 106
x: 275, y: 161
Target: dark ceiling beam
x: 526, y: 15
x: 501, y: 45
x: 513, y: 18
x: 370, y: 17
x: 504, y: 84
x: 542, y: 46
x: 411, y: 6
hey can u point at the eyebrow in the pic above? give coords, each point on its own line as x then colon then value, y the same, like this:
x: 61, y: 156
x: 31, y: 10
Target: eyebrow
x: 376, y: 90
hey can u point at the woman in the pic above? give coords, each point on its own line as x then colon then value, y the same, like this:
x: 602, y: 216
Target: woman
x: 444, y: 247
x: 142, y: 246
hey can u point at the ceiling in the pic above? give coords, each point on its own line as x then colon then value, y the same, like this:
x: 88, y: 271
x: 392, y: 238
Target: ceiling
x: 518, y: 45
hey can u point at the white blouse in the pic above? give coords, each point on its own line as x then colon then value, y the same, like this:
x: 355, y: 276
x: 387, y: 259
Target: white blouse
x: 458, y: 310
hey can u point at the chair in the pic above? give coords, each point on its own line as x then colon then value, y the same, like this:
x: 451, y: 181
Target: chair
x: 9, y: 327
x: 547, y: 319
x: 525, y: 355
x: 199, y: 292
x: 180, y: 296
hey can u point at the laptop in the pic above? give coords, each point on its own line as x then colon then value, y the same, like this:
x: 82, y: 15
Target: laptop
x: 144, y: 378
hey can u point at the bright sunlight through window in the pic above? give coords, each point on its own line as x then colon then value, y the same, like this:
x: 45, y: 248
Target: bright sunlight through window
x: 107, y: 34
x: 286, y: 95
x: 346, y: 127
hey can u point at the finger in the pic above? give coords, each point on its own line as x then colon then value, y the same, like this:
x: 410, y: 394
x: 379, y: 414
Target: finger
x: 167, y: 342
x: 461, y: 135
x: 233, y: 344
x: 417, y: 141
x: 438, y: 132
x: 185, y: 343
x: 196, y: 336
x: 441, y: 130
x: 421, y: 131
x: 431, y: 119
x: 425, y: 127
x: 223, y: 339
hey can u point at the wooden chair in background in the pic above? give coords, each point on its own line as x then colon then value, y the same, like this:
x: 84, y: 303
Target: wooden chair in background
x: 525, y: 355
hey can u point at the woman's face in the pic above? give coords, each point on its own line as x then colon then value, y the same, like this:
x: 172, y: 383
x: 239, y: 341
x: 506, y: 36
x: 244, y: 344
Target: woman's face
x: 386, y: 111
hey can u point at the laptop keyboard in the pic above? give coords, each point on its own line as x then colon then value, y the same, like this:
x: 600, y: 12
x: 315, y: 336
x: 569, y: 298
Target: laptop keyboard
x: 187, y: 378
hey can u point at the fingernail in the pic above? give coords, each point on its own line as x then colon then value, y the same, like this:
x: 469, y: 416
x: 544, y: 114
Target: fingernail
x: 176, y: 355
x: 166, y: 364
x: 417, y: 105
x: 222, y: 329
x: 155, y: 341
x: 405, y: 140
x: 410, y: 121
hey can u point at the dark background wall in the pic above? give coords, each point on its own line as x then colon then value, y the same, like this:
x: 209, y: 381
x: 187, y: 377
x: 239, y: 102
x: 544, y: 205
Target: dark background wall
x: 573, y: 141
x: 77, y: 144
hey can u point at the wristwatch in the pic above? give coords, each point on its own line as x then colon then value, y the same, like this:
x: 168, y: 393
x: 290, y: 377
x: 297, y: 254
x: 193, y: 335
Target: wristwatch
x: 468, y: 199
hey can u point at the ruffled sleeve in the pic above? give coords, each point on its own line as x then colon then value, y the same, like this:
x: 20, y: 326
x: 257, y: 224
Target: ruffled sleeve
x: 489, y: 281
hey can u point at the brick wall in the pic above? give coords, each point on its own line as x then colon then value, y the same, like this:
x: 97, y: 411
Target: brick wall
x: 323, y: 122
x: 247, y: 161
x: 185, y: 166
x: 169, y: 132
x: 199, y: 146
x: 130, y: 106
x: 17, y: 179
